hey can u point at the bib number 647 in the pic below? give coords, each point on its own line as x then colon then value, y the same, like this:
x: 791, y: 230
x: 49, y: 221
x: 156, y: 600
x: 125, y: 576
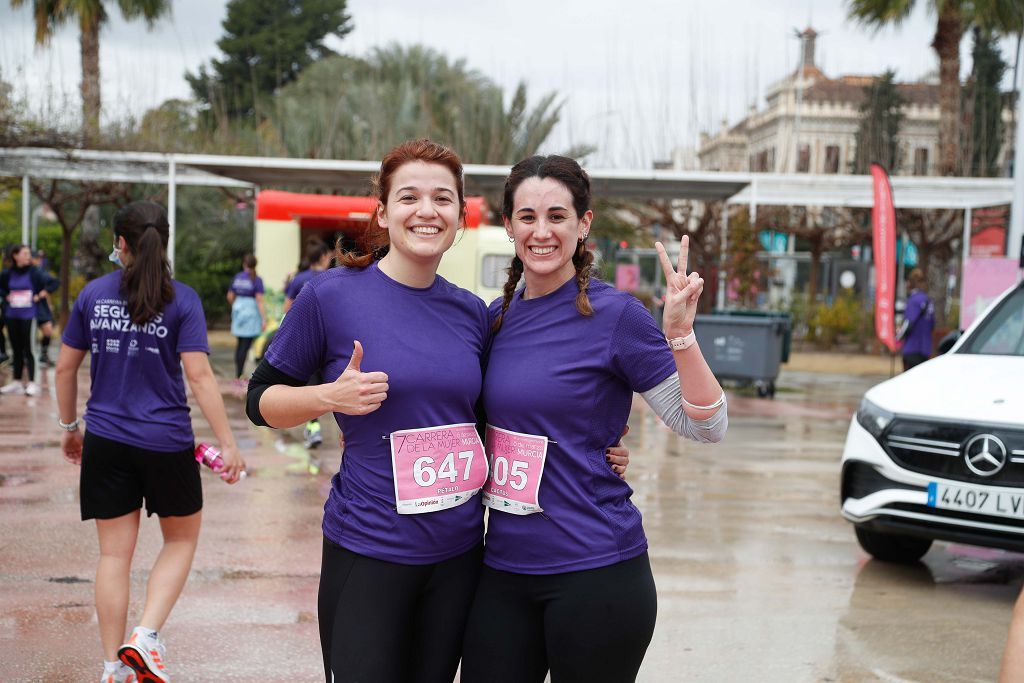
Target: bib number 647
x: 425, y: 474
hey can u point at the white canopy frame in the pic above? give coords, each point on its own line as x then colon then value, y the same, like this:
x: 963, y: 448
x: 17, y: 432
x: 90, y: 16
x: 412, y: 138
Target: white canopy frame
x: 752, y: 189
x: 855, y: 191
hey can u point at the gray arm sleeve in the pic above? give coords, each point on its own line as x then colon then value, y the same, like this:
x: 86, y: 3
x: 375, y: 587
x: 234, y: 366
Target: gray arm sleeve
x: 666, y: 400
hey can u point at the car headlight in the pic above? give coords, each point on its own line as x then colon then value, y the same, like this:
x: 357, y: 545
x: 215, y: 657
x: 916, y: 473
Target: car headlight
x: 873, y: 418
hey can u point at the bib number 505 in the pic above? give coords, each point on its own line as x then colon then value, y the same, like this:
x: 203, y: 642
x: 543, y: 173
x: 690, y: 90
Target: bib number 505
x: 517, y: 466
x: 502, y: 474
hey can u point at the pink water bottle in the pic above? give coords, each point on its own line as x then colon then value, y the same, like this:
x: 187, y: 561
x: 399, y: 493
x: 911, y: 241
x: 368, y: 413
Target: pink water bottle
x: 210, y: 456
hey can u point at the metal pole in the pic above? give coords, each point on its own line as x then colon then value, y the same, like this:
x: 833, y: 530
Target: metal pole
x: 25, y: 201
x: 901, y: 266
x: 1013, y: 245
x: 965, y: 252
x: 172, y: 201
x: 720, y: 303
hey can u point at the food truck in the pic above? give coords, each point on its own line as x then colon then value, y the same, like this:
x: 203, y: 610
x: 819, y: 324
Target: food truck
x: 286, y: 221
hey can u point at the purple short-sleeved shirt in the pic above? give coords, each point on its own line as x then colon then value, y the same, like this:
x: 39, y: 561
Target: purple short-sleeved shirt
x: 299, y: 281
x: 138, y: 392
x: 243, y: 285
x: 429, y: 342
x: 920, y: 315
x: 553, y: 372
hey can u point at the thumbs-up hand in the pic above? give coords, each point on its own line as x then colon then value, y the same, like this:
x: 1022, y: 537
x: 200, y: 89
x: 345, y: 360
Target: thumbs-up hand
x: 355, y: 392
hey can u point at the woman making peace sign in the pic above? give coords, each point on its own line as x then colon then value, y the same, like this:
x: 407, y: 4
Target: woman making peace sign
x: 566, y: 557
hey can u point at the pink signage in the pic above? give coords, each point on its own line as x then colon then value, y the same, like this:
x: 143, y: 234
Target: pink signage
x: 627, y: 277
x: 437, y: 467
x: 517, y: 467
x: 883, y: 245
x: 984, y: 280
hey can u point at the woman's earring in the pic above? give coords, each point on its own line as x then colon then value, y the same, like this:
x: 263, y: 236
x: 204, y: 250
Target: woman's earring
x: 512, y: 240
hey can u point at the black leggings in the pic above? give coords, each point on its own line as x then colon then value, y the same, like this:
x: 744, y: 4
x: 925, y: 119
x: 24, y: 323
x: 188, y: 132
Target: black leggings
x: 387, y: 622
x: 20, y: 332
x: 592, y: 625
x: 241, y: 351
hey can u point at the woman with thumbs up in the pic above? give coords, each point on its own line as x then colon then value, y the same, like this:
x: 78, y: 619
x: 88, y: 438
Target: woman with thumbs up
x: 400, y: 352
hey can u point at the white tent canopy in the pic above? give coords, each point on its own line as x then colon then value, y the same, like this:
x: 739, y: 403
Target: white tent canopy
x: 751, y: 189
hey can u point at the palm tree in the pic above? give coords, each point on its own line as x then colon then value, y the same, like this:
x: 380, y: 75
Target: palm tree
x: 954, y: 18
x: 350, y: 108
x: 91, y: 15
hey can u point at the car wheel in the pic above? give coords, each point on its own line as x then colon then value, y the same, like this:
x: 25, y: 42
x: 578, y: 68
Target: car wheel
x: 892, y: 547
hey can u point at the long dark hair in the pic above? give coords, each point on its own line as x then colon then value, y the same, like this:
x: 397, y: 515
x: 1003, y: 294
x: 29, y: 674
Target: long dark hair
x: 575, y: 179
x: 249, y: 261
x: 315, y: 250
x: 374, y: 242
x: 146, y: 281
x: 9, y: 261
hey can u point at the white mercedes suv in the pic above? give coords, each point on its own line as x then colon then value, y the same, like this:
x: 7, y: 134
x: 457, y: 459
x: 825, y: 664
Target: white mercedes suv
x: 937, y: 453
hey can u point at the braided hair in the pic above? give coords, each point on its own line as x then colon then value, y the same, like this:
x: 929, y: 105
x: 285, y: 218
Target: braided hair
x: 575, y: 179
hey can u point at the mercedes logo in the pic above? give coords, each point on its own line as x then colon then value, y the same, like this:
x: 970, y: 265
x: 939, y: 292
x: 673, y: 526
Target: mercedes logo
x: 985, y: 455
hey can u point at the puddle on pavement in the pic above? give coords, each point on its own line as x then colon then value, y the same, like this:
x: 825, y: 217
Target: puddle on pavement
x: 10, y: 480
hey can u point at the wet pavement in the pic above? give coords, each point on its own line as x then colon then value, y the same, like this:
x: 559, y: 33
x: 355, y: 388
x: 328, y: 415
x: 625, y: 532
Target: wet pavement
x: 759, y: 578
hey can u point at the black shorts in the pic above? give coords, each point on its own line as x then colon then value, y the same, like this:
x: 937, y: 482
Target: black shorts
x: 117, y: 477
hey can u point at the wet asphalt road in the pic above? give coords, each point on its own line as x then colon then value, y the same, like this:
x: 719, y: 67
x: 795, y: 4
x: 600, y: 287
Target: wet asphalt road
x: 759, y: 578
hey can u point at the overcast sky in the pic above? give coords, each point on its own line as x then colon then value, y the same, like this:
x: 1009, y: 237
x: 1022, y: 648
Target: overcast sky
x: 636, y: 78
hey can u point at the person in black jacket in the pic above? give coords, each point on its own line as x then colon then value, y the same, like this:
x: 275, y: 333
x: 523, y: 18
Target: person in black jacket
x: 44, y: 316
x: 22, y: 287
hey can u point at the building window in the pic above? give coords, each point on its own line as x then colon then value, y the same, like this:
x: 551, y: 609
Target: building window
x: 921, y: 161
x: 832, y: 159
x: 803, y: 159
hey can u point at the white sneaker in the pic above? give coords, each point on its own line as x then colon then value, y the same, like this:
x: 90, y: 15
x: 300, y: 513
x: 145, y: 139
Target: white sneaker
x: 146, y: 657
x: 13, y: 389
x: 121, y: 674
x: 32, y: 389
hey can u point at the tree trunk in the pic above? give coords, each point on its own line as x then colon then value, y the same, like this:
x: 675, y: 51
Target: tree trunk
x: 89, y: 41
x: 946, y: 44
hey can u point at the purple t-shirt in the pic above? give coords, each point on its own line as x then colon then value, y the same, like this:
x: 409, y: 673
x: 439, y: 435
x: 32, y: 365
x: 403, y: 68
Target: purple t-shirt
x: 920, y: 315
x: 299, y: 281
x: 243, y: 285
x: 553, y: 372
x: 22, y: 307
x: 429, y: 342
x: 138, y: 393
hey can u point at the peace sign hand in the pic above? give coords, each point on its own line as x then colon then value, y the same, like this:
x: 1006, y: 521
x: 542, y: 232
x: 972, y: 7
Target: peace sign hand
x: 683, y: 291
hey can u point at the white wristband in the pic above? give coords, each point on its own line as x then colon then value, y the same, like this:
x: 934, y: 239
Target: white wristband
x: 716, y: 404
x: 681, y: 343
x: 70, y: 426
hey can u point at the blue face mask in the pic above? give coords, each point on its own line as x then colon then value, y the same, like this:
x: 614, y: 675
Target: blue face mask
x: 115, y: 257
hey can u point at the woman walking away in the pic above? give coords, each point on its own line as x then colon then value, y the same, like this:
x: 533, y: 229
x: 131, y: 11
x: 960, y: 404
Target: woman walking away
x: 248, y: 316
x: 44, y: 316
x: 22, y: 288
x: 142, y: 328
